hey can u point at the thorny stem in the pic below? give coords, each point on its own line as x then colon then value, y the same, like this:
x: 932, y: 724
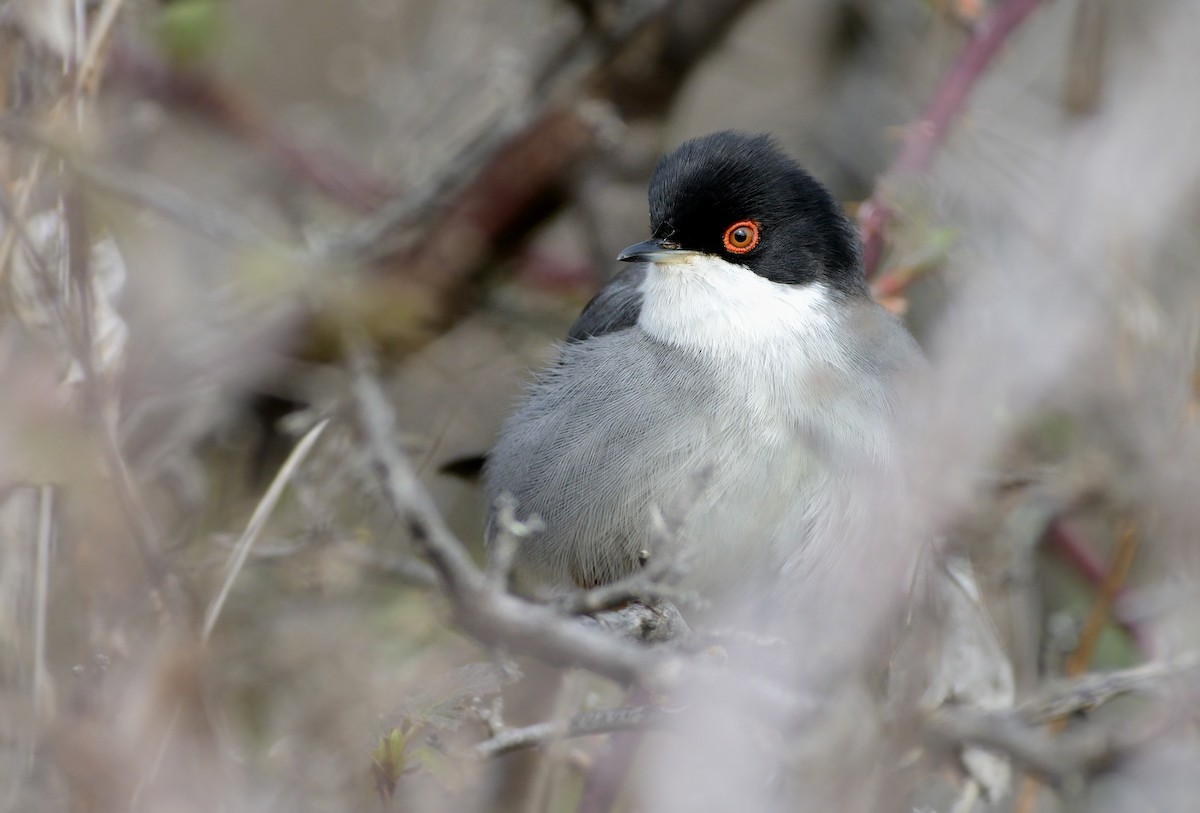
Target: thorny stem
x: 922, y: 139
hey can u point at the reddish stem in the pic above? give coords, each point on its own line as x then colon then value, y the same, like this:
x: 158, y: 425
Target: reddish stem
x: 205, y: 96
x: 922, y: 139
x: 1075, y: 549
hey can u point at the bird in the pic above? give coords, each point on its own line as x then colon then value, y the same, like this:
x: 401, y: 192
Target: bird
x: 740, y: 376
x: 738, y: 373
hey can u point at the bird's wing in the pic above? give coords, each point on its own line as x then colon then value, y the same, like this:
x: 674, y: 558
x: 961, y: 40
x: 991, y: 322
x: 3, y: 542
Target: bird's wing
x: 616, y: 307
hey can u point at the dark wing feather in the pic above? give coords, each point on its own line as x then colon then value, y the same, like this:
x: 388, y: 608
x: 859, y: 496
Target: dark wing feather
x: 615, y: 308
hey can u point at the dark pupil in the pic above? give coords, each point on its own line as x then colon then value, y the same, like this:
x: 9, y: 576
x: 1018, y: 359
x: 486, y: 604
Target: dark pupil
x: 740, y: 236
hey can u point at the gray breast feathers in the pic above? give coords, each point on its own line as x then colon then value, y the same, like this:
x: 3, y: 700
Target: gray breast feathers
x: 596, y: 443
x: 623, y: 425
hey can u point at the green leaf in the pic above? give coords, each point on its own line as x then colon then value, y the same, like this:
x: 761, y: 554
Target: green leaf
x: 187, y: 30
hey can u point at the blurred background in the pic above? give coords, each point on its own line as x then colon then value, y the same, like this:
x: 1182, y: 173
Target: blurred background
x: 206, y: 602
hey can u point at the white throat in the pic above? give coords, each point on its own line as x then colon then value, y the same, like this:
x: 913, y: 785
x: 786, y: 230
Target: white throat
x: 712, y: 306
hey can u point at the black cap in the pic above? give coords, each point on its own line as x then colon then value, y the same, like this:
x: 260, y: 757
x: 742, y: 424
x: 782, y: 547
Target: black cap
x: 792, y: 230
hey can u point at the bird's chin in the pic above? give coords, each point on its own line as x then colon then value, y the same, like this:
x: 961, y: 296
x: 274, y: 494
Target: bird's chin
x: 675, y: 260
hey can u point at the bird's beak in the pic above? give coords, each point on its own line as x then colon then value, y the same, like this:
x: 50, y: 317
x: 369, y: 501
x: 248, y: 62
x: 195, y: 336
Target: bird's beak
x: 654, y: 251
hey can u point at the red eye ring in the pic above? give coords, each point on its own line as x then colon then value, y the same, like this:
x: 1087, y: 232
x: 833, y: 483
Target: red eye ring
x: 741, y: 237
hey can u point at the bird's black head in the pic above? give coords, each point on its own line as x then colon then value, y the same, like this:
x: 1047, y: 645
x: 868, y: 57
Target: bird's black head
x: 739, y: 197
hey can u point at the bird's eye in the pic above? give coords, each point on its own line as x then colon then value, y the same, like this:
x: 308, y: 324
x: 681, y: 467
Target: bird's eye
x: 741, y: 236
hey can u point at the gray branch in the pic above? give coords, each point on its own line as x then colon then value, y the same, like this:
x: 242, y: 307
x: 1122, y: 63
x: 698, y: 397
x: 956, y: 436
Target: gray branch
x: 1092, y: 690
x: 585, y: 724
x: 1064, y: 758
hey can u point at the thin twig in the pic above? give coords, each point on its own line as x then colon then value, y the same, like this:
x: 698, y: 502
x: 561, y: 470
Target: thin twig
x: 1110, y: 588
x: 922, y: 139
x: 510, y: 533
x: 1069, y: 756
x: 378, y: 235
x: 258, y: 521
x: 585, y: 724
x: 410, y: 501
x: 236, y: 561
x: 147, y: 777
x: 87, y: 75
x: 1089, y: 691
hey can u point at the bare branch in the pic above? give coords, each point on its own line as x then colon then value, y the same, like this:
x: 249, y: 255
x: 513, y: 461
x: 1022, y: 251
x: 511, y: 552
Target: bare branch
x: 1092, y: 690
x: 1068, y: 757
x: 656, y: 621
x: 581, y: 725
x: 510, y: 533
x: 523, y: 136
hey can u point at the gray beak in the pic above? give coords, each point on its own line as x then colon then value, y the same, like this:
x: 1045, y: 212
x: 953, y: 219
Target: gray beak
x: 651, y: 251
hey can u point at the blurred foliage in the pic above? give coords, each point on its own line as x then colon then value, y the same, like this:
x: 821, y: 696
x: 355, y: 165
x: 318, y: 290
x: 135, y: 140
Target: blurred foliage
x: 156, y: 374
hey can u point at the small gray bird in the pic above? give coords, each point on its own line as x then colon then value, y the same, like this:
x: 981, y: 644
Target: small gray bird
x: 740, y: 375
